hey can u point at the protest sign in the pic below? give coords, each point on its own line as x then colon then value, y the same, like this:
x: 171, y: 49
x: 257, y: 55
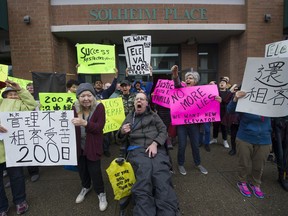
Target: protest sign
x: 138, y: 53
x: 45, y: 138
x: 277, y: 49
x: 115, y: 115
x: 22, y: 82
x: 3, y: 72
x: 96, y: 58
x: 57, y: 101
x: 195, y: 104
x: 161, y: 94
x: 265, y: 82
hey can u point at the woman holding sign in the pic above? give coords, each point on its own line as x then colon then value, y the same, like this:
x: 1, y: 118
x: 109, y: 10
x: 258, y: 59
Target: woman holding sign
x: 89, y: 122
x: 14, y: 99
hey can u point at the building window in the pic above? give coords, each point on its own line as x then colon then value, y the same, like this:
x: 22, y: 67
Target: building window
x: 207, y: 62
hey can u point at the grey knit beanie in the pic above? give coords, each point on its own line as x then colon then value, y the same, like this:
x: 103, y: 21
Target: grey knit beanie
x: 85, y: 87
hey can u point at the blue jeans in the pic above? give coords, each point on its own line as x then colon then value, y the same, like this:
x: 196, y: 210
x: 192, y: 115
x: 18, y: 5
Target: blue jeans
x: 17, y: 181
x: 193, y: 131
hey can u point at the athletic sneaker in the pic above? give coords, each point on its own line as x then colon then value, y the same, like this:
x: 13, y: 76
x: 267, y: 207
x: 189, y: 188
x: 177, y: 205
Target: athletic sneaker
x: 22, y: 208
x: 82, y: 194
x: 257, y: 191
x: 103, y: 204
x: 226, y: 144
x: 202, y: 169
x: 182, y: 170
x: 213, y: 141
x: 244, y: 190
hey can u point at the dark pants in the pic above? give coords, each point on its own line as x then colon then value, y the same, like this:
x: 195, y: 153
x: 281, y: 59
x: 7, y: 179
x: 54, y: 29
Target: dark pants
x: 153, y: 192
x: 216, y: 126
x: 17, y: 181
x: 91, y: 170
x: 106, y: 141
x: 280, y: 143
x: 193, y: 131
x: 233, y: 130
x: 33, y: 170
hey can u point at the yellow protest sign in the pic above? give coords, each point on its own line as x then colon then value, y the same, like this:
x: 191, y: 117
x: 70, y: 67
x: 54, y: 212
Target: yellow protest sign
x: 115, y: 115
x: 22, y: 82
x: 56, y: 101
x: 3, y: 72
x: 96, y: 58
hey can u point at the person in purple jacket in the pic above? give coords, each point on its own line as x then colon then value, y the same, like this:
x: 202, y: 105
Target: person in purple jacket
x: 89, y: 122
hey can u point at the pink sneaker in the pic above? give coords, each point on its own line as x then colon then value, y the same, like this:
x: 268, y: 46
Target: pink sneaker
x: 244, y: 190
x: 257, y: 191
x: 22, y: 207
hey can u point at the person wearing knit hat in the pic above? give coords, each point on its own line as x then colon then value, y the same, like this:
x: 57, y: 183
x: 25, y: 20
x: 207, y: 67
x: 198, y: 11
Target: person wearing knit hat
x: 85, y: 87
x: 89, y: 122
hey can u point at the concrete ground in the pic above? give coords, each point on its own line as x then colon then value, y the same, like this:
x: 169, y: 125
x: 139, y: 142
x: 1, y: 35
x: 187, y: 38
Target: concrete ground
x: 213, y: 194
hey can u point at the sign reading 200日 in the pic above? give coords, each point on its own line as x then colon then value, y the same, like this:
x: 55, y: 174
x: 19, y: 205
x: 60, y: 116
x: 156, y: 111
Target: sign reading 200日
x: 43, y: 138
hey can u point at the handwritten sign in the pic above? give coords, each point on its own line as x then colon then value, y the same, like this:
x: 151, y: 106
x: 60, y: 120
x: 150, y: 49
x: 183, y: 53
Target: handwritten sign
x: 277, y: 49
x: 22, y: 82
x: 195, y: 104
x: 3, y: 72
x: 161, y: 94
x: 115, y: 115
x: 56, y: 101
x: 45, y: 138
x: 266, y: 83
x: 138, y: 53
x: 96, y: 58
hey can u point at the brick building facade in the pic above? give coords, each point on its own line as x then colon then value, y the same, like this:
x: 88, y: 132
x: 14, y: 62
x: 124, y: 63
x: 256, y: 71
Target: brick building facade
x: 236, y: 27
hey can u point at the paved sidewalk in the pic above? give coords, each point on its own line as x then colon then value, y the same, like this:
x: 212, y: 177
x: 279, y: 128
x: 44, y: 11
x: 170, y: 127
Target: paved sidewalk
x: 213, y: 194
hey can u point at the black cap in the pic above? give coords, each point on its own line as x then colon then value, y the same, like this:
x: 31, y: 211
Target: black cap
x: 125, y: 82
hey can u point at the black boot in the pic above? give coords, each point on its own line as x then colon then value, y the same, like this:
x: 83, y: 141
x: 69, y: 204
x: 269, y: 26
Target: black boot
x: 283, y: 180
x: 232, y: 152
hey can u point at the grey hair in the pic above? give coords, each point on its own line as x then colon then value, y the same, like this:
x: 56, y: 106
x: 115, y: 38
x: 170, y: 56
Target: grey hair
x: 194, y: 74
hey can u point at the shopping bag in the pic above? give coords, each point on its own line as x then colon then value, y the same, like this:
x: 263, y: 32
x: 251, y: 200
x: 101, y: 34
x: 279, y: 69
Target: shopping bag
x: 121, y: 177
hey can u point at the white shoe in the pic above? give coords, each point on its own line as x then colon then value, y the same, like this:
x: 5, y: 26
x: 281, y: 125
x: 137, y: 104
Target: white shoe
x: 202, y: 169
x: 182, y: 170
x: 225, y: 143
x: 82, y: 194
x: 213, y: 141
x: 103, y: 204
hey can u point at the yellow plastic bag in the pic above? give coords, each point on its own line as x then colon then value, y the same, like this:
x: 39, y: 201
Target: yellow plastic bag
x: 121, y: 178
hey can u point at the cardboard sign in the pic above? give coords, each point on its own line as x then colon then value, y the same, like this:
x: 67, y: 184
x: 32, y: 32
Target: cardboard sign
x: 197, y: 104
x: 115, y: 115
x: 96, y: 58
x: 3, y: 72
x: 57, y: 101
x: 161, y: 94
x: 22, y: 82
x: 138, y: 53
x: 45, y: 138
x: 276, y: 49
x: 265, y: 82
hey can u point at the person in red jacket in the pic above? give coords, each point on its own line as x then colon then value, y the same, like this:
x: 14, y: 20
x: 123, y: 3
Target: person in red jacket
x: 89, y: 122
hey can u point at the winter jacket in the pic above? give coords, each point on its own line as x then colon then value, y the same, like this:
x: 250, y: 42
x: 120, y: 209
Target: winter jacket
x: 94, y: 132
x: 25, y: 103
x: 145, y: 128
x: 253, y: 129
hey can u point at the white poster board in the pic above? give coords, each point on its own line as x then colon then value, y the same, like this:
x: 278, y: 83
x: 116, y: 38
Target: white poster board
x: 276, y: 49
x: 138, y: 53
x: 39, y: 138
x: 266, y: 83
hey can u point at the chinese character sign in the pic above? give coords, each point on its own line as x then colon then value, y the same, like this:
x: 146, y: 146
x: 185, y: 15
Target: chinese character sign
x: 115, y: 115
x: 45, y: 138
x: 265, y: 82
x: 195, y: 104
x: 57, y: 101
x: 138, y: 53
x: 96, y: 58
x: 276, y: 49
